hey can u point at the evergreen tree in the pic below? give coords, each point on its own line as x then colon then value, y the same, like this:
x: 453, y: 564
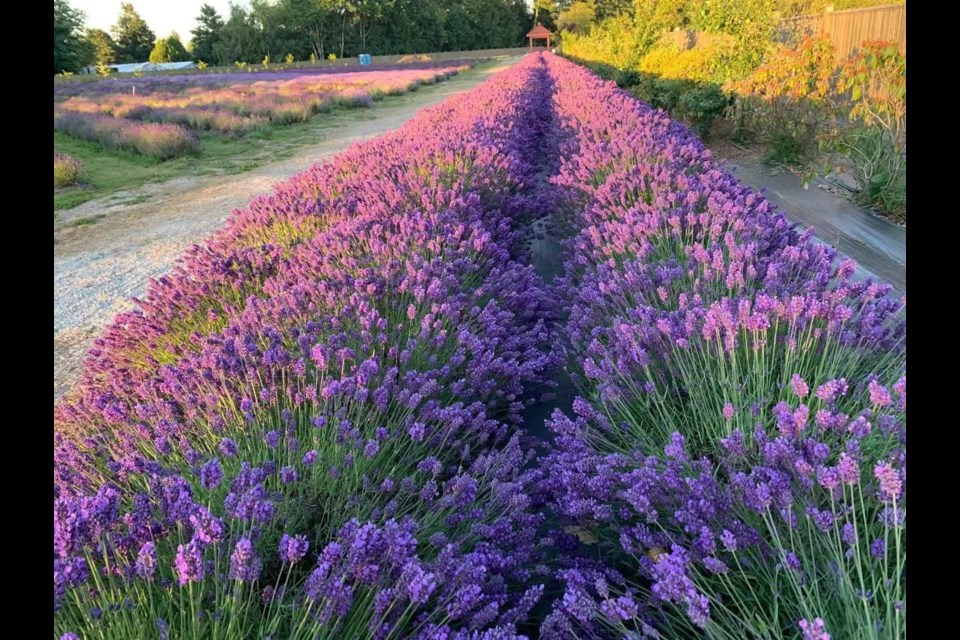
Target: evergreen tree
x: 207, y: 35
x: 161, y: 52
x: 70, y: 51
x: 178, y: 53
x: 103, y: 46
x: 134, y: 39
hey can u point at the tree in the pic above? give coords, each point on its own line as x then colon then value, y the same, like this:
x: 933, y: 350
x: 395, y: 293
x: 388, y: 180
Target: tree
x: 579, y: 17
x: 70, y: 51
x: 103, y: 47
x: 543, y: 12
x: 135, y: 40
x: 178, y: 53
x: 611, y: 8
x: 309, y: 24
x: 161, y: 52
x: 344, y: 10
x: 239, y: 38
x: 366, y: 14
x: 207, y: 35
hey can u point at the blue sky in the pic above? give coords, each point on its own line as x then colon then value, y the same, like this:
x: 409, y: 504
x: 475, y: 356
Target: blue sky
x: 163, y: 16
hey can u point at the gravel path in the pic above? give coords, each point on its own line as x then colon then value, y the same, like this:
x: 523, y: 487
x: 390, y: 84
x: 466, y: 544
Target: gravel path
x: 98, y: 267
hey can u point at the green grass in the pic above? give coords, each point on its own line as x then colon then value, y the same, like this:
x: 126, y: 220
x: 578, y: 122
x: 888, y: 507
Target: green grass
x: 107, y: 172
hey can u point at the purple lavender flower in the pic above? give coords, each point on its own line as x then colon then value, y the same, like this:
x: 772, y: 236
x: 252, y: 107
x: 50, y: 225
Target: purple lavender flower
x: 728, y: 412
x: 371, y: 449
x: 416, y: 431
x: 293, y: 548
x: 245, y: 565
x: 879, y: 395
x: 146, y: 563
x: 228, y: 448
x: 272, y: 438
x: 815, y: 630
x: 189, y: 563
x: 207, y: 528
x: 420, y: 584
x: 848, y: 469
x: 800, y: 388
x: 288, y: 475
x: 729, y: 541
x: 889, y: 477
x: 310, y: 458
x: 211, y: 474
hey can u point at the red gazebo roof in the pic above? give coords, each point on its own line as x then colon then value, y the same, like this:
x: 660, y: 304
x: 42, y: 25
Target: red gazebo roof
x: 539, y: 31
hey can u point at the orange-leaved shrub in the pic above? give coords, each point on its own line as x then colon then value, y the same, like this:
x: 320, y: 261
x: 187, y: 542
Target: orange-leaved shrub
x: 790, y: 101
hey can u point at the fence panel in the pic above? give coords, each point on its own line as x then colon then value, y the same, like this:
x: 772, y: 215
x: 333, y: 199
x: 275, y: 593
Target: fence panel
x: 849, y: 28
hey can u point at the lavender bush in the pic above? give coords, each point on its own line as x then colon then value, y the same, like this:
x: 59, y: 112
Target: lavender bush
x: 738, y: 457
x: 160, y: 141
x: 309, y: 429
x: 66, y: 170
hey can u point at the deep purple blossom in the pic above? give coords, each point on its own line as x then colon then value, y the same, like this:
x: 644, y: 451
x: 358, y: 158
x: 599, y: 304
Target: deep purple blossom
x: 245, y: 565
x: 211, y: 474
x: 293, y: 548
x: 288, y: 475
x: 146, y: 563
x: 189, y: 563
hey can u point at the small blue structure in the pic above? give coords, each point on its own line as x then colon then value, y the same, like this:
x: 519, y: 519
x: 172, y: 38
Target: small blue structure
x: 365, y: 58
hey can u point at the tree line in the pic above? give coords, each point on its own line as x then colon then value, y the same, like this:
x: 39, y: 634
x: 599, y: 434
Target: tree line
x: 303, y: 29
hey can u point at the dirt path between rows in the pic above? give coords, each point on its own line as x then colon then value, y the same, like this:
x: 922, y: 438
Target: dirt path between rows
x: 98, y: 267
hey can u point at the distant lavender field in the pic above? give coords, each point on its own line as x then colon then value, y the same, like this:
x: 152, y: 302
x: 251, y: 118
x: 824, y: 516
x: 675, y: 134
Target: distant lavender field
x: 160, y: 116
x: 148, y: 84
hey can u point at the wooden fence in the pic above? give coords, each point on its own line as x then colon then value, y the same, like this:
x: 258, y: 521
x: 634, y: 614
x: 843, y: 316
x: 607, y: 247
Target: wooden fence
x: 848, y: 29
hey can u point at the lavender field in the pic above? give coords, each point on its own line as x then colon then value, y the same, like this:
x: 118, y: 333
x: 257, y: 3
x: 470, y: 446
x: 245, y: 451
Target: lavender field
x: 314, y: 427
x: 159, y: 117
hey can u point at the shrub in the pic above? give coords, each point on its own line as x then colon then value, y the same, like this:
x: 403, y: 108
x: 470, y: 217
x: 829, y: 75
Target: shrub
x: 714, y: 62
x: 611, y: 41
x: 876, y: 144
x: 67, y: 170
x: 160, y: 141
x: 701, y: 105
x: 790, y: 102
x: 626, y: 78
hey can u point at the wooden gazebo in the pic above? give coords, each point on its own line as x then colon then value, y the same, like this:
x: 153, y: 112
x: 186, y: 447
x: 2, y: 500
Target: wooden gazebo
x: 539, y: 32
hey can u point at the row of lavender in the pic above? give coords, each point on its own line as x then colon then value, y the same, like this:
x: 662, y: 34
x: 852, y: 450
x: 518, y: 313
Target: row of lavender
x: 738, y: 456
x: 308, y: 430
